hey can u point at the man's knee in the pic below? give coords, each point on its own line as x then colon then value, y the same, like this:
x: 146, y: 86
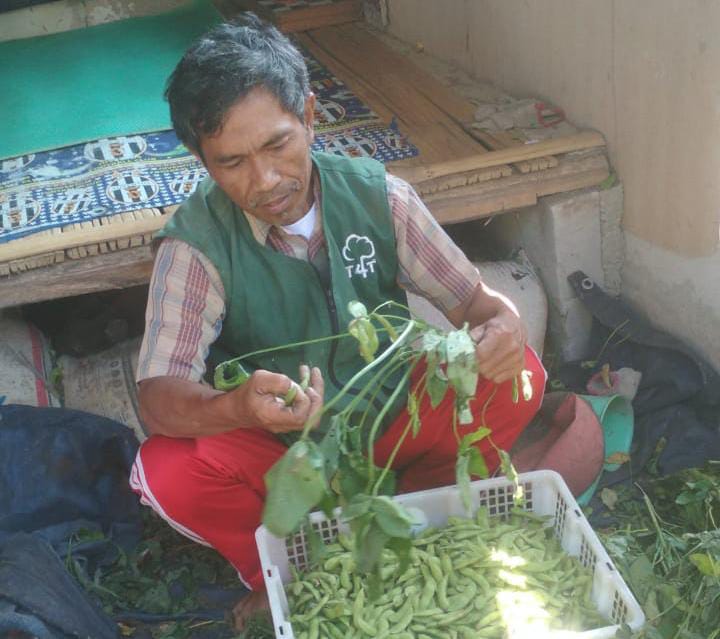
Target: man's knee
x: 163, y: 477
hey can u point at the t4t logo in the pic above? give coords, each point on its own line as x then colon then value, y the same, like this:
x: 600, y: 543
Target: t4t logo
x: 359, y: 254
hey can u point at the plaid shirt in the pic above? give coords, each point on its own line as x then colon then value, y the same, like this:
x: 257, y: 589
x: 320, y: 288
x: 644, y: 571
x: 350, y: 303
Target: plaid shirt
x: 186, y: 304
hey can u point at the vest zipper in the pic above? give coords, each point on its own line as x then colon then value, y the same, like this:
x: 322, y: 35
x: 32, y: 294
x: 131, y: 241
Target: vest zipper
x: 335, y: 325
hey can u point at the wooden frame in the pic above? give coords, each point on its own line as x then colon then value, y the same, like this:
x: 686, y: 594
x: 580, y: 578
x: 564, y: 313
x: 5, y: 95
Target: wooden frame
x: 305, y: 18
x: 458, y: 178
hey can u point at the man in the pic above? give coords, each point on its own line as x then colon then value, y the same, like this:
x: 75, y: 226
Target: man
x: 259, y: 257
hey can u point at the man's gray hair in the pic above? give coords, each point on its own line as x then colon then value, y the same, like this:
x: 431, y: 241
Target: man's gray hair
x: 223, y: 66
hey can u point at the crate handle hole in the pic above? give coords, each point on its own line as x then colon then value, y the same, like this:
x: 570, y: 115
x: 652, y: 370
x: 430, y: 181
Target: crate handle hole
x: 577, y: 513
x: 610, y: 566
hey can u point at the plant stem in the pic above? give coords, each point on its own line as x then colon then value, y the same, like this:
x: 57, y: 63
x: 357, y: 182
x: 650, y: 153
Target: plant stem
x: 607, y: 341
x: 483, y: 422
x: 306, y: 342
x: 422, y: 382
x: 378, y: 420
x: 420, y: 323
x: 391, y: 459
x: 379, y: 381
x: 271, y: 349
x: 376, y: 362
x: 391, y: 303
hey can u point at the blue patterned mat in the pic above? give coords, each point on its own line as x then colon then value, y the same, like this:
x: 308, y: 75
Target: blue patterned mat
x: 102, y: 178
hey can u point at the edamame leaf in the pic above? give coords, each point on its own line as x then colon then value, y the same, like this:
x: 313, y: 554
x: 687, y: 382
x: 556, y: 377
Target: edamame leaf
x: 391, y: 517
x: 362, y: 329
x: 296, y: 484
x: 357, y: 309
x: 461, y: 363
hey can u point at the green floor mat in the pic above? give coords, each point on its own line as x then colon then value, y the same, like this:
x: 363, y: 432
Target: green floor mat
x: 91, y: 83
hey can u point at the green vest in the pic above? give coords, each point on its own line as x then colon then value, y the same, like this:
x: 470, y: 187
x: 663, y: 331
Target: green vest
x: 273, y: 299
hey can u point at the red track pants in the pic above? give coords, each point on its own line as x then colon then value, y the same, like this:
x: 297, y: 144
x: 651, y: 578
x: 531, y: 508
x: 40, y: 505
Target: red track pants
x: 211, y: 489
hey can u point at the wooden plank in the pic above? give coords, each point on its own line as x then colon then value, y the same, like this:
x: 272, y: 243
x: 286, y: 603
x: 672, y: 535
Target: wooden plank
x: 577, y: 142
x: 450, y: 182
x: 303, y: 18
x: 320, y: 16
x: 396, y: 89
x: 497, y: 140
x: 370, y: 53
x: 518, y: 190
x: 78, y: 239
x: 120, y: 269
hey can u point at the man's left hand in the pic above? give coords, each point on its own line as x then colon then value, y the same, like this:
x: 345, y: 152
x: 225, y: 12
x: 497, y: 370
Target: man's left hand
x: 500, y: 346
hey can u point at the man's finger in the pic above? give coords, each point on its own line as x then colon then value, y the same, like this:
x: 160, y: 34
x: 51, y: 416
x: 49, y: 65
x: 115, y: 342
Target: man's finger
x: 504, y: 370
x: 300, y: 405
x: 501, y: 376
x: 266, y: 382
x: 317, y: 383
x: 502, y: 361
x: 503, y: 354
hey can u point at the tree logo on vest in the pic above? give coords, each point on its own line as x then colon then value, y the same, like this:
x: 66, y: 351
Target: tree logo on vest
x: 359, y: 255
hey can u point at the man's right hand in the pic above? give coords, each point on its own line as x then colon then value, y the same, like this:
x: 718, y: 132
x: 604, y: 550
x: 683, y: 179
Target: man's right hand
x: 260, y: 400
x: 176, y: 407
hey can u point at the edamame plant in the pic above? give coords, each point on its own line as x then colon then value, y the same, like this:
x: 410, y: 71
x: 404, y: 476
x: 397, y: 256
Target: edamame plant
x: 340, y: 469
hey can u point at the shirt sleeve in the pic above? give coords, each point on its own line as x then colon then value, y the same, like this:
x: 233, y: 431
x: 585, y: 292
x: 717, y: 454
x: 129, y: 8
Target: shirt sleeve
x: 430, y: 263
x: 185, y: 310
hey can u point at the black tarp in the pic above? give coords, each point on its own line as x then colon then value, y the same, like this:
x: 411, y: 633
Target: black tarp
x: 63, y: 476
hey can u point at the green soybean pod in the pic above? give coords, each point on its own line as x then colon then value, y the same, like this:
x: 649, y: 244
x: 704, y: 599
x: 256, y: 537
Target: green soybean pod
x: 435, y: 569
x: 450, y: 618
x: 403, y: 622
x: 442, y: 597
x: 383, y: 626
x: 515, y: 390
x: 428, y: 612
x: 305, y: 379
x: 334, y: 631
x: 313, y: 612
x: 291, y: 394
x: 358, y: 620
x: 446, y: 563
x: 462, y: 599
x: 489, y: 619
x: 428, y: 592
x: 314, y: 629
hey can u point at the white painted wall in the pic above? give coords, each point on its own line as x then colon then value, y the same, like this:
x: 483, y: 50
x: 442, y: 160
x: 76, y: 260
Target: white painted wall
x: 646, y: 74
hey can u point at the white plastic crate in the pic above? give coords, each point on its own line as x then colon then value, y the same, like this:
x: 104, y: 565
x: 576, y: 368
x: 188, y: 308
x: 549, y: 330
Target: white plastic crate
x: 545, y: 494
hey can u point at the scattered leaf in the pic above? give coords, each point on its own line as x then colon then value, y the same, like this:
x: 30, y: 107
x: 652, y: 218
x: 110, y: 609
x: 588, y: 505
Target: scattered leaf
x: 618, y: 458
x: 609, y: 497
x: 706, y: 564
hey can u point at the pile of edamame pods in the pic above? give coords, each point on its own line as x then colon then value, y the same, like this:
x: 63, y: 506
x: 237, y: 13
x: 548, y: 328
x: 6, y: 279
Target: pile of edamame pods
x: 476, y: 578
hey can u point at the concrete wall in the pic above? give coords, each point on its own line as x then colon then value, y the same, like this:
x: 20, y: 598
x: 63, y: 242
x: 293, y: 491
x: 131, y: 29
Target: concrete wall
x: 645, y: 73
x: 65, y: 15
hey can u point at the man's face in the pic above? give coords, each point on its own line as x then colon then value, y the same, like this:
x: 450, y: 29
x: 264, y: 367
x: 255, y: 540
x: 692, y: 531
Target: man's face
x: 261, y: 157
